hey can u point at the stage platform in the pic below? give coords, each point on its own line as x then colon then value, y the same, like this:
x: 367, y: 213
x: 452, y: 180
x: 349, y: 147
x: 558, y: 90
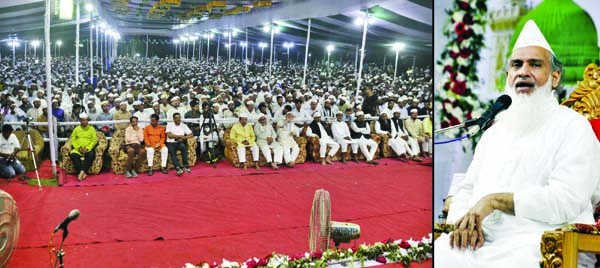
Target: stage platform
x: 211, y: 214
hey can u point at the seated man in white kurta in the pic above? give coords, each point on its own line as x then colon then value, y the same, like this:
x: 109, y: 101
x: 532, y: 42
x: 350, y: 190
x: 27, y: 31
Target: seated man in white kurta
x: 318, y: 129
x: 383, y: 127
x: 265, y: 138
x: 286, y: 134
x: 536, y: 169
x: 341, y: 135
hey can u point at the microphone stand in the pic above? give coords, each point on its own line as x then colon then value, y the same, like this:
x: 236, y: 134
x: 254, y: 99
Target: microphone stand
x: 60, y: 253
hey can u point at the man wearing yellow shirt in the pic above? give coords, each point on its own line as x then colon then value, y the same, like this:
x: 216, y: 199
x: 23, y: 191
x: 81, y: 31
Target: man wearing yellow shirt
x: 84, y: 140
x: 243, y: 134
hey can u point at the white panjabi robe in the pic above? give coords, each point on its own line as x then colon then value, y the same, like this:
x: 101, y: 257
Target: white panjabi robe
x: 553, y: 172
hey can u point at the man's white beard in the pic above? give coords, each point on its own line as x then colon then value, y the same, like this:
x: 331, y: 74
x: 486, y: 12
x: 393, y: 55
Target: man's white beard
x: 528, y: 112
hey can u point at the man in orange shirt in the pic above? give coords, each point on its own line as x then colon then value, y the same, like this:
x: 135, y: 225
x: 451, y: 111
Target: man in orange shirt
x: 154, y: 137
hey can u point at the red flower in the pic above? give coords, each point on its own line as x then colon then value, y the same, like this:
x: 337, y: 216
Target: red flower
x: 453, y: 121
x: 465, y: 53
x: 468, y: 19
x: 251, y: 263
x: 317, y: 255
x: 297, y: 257
x: 469, y: 116
x: 405, y: 244
x: 459, y: 39
x: 459, y: 87
x: 387, y: 241
x: 268, y: 257
x: 462, y: 5
x: 354, y: 248
x: 453, y: 55
x: 262, y: 262
x: 460, y: 28
x: 381, y: 259
x: 448, y: 68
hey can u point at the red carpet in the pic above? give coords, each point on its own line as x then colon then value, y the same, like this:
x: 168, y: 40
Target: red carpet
x: 205, y: 216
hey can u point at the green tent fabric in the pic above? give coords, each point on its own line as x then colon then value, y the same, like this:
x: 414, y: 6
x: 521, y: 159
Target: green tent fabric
x: 570, y: 32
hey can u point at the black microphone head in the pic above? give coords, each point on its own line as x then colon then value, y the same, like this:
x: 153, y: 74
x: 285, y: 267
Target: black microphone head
x: 74, y: 214
x: 505, y: 100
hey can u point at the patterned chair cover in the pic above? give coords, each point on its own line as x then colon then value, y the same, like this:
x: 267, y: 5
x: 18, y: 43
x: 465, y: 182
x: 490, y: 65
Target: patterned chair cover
x: 96, y: 167
x: 119, y: 157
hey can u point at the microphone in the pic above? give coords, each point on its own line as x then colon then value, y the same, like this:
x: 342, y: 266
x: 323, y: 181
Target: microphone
x: 485, y: 121
x: 73, y: 215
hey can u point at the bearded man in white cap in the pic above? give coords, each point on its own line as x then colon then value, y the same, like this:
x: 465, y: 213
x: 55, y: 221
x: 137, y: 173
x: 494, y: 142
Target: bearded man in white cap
x: 84, y: 141
x: 318, y: 129
x: 243, y: 134
x: 534, y: 170
x: 384, y: 127
x: 287, y: 132
x: 360, y: 130
x: 122, y: 114
x: 341, y: 135
x: 265, y: 138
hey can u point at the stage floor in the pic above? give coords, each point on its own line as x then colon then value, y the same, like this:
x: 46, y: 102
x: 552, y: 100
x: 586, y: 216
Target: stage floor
x: 208, y: 215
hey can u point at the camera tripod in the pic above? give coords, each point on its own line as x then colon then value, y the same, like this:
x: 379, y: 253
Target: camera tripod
x: 211, y: 124
x: 31, y: 150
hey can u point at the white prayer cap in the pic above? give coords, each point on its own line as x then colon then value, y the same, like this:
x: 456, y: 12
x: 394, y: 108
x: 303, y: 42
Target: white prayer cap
x: 384, y: 112
x: 216, y: 104
x: 176, y: 98
x: 155, y: 103
x: 413, y: 111
x: 532, y: 36
x: 129, y: 95
x: 262, y: 116
x: 317, y: 114
x: 164, y: 97
x: 339, y: 112
x: 83, y: 116
x: 244, y: 115
x: 123, y: 103
x: 250, y: 103
x: 137, y: 103
x: 36, y: 99
x: 359, y: 113
x: 230, y: 102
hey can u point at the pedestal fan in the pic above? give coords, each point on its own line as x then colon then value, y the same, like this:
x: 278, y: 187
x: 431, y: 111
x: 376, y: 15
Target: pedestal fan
x: 323, y: 229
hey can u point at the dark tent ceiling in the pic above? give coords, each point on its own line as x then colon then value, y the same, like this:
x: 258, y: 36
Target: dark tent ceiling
x: 407, y: 21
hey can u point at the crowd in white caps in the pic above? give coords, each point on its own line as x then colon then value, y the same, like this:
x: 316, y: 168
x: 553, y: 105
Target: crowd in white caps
x: 165, y: 86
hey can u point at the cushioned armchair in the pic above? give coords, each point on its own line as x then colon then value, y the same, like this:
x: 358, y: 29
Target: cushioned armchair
x: 559, y: 248
x: 96, y: 167
x: 119, y: 157
x: 232, y: 157
x: 24, y: 155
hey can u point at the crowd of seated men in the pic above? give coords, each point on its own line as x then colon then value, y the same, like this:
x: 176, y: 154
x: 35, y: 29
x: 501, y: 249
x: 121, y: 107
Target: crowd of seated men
x: 264, y: 114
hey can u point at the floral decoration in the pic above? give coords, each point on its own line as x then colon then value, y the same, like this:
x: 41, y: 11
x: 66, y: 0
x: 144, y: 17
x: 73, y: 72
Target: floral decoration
x: 388, y: 251
x: 455, y: 99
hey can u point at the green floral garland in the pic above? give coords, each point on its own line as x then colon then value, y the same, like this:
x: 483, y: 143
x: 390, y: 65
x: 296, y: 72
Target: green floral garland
x: 388, y: 251
x: 465, y: 29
